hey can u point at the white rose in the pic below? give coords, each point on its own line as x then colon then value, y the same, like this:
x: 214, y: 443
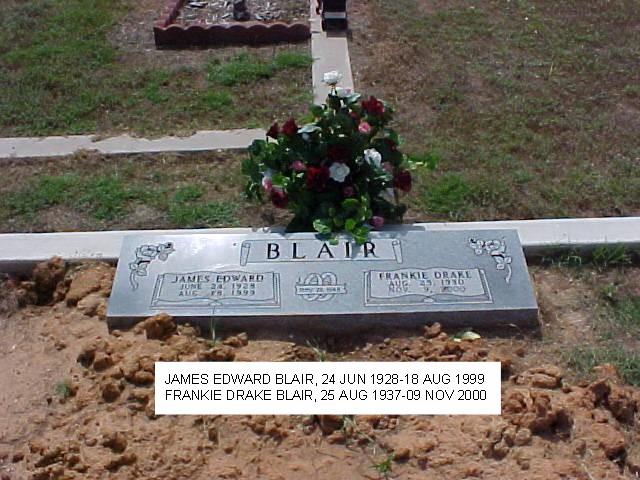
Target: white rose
x: 339, y: 171
x: 373, y: 157
x: 343, y: 92
x: 266, y: 178
x: 332, y: 78
x: 388, y: 195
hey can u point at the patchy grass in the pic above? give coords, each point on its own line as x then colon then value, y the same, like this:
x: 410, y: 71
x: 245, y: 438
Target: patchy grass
x: 92, y: 192
x: 584, y: 359
x: 245, y: 68
x: 384, y: 467
x: 63, y: 389
x: 187, y: 209
x: 69, y: 75
x: 532, y: 105
x: 43, y: 192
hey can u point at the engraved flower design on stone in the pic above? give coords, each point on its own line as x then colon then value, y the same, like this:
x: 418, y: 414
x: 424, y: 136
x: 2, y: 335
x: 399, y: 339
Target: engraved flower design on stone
x: 497, y: 249
x: 145, y: 254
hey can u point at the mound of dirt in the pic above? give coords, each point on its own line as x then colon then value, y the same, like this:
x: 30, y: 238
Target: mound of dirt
x: 78, y: 402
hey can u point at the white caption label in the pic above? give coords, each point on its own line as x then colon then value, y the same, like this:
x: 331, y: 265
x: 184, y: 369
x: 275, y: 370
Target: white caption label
x: 324, y: 388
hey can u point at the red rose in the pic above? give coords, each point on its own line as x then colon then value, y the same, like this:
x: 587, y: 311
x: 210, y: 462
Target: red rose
x: 391, y: 144
x: 274, y: 131
x: 337, y: 153
x: 402, y: 180
x: 290, y: 128
x: 348, y: 191
x: 373, y: 106
x: 317, y: 178
x: 279, y: 199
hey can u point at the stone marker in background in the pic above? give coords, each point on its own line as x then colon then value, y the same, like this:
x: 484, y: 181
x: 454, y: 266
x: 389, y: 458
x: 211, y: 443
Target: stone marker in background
x: 398, y: 279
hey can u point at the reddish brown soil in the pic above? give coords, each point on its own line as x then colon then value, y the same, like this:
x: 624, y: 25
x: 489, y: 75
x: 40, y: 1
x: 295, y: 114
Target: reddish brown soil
x: 552, y: 426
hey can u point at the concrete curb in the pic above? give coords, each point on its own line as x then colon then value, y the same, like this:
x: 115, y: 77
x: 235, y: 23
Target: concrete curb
x: 330, y: 52
x: 34, y: 147
x: 20, y: 251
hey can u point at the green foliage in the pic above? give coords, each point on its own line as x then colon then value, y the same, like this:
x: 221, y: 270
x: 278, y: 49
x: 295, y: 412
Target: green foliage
x: 342, y: 172
x: 186, y: 209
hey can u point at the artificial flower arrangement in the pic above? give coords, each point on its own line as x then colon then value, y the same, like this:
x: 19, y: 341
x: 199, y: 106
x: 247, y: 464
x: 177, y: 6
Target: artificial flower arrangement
x: 343, y: 172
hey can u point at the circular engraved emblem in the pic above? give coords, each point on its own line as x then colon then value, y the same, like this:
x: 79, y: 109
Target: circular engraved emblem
x: 319, y: 287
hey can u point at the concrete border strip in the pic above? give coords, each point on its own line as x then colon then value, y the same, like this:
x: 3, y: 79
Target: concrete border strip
x: 207, y: 140
x: 330, y: 51
x: 20, y: 251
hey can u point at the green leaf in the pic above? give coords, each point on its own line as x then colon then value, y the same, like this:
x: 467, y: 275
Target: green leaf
x: 322, y: 226
x: 466, y: 335
x: 257, y: 147
x: 279, y: 180
x: 350, y: 204
x: 350, y: 224
x: 309, y: 128
x: 353, y: 98
x: 316, y: 110
x: 429, y: 160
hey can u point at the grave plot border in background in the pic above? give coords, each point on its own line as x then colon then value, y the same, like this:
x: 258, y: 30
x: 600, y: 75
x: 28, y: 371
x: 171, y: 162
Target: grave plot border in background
x: 169, y: 34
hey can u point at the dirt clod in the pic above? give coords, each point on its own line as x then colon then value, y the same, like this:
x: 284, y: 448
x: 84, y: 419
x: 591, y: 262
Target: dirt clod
x: 159, y: 327
x: 219, y: 353
x: 110, y: 391
x: 93, y: 278
x: 330, y: 423
x: 48, y: 280
x: 116, y: 441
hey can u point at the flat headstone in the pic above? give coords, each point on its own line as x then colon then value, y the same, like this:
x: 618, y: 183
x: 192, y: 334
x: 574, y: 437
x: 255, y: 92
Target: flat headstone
x: 399, y: 278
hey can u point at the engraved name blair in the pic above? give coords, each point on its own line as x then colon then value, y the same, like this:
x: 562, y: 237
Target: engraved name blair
x: 312, y: 250
x: 208, y: 287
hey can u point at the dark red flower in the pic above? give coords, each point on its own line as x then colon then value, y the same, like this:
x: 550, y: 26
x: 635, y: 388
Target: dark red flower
x: 402, y: 180
x: 348, y: 191
x: 373, y: 106
x: 391, y: 144
x: 317, y: 178
x: 337, y: 153
x: 279, y: 199
x: 290, y: 128
x: 274, y: 131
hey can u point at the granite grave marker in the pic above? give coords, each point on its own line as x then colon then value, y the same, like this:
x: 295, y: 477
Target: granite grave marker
x: 398, y: 278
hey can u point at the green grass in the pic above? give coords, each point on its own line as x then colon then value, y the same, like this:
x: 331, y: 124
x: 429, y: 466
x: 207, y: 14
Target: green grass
x: 533, y: 118
x: 109, y: 197
x: 63, y: 389
x: 604, y: 257
x: 106, y: 196
x: 245, y: 68
x: 68, y: 76
x: 186, y: 209
x: 584, y: 359
x: 384, y: 466
x: 47, y: 191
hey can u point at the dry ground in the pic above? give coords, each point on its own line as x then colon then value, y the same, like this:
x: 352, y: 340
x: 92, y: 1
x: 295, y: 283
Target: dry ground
x: 533, y: 105
x: 77, y: 401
